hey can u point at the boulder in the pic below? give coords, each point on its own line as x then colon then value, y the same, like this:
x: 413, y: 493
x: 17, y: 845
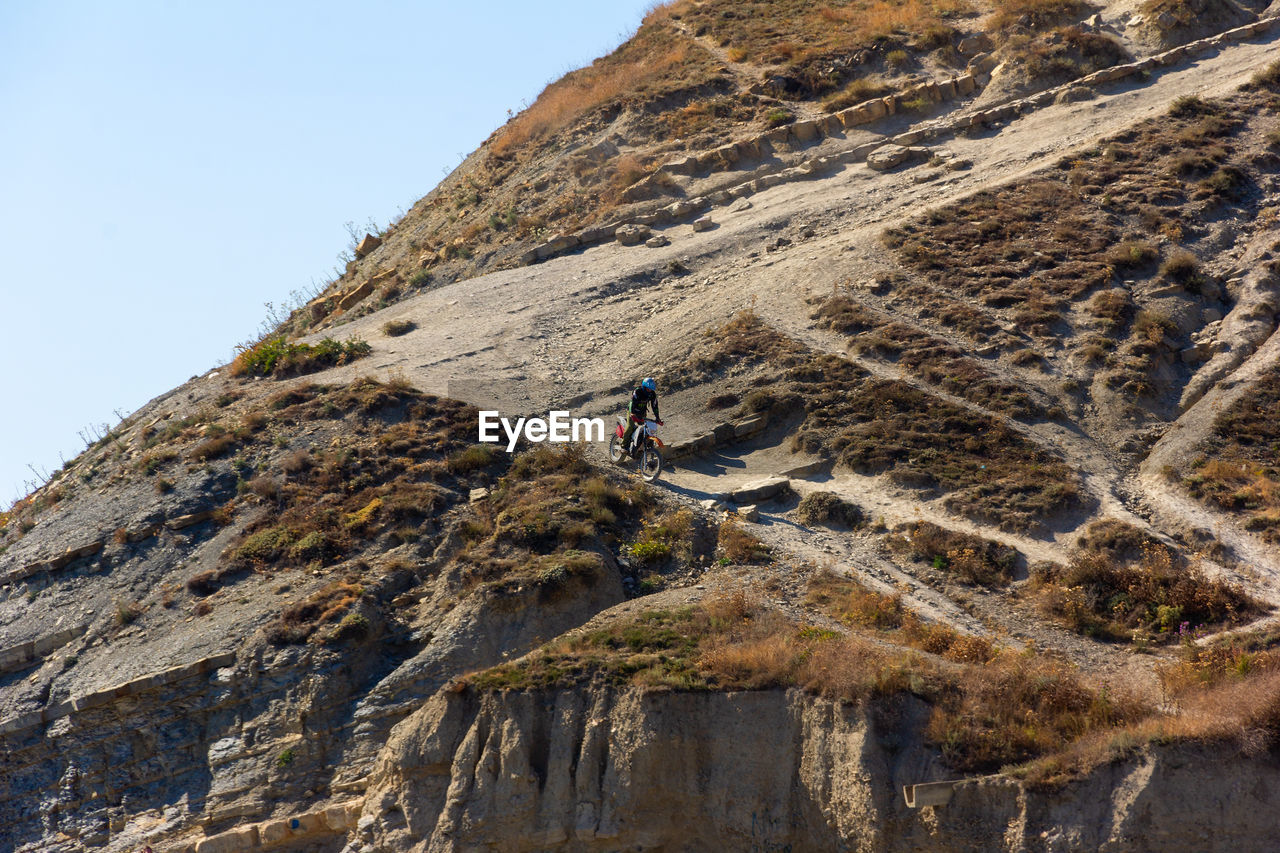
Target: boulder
x: 703, y: 223
x: 977, y: 43
x: 750, y: 512
x: 632, y: 235
x: 983, y: 63
x: 367, y: 245
x: 479, y: 494
x: 888, y: 157
x: 183, y: 521
x: 355, y: 294
x: 805, y: 131
x: 657, y: 241
x: 761, y: 490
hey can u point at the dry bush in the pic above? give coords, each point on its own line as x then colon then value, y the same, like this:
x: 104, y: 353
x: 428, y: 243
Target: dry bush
x: 828, y: 508
x: 973, y: 558
x: 327, y: 606
x: 738, y: 546
x: 1155, y: 596
x: 1237, y: 471
x: 1068, y: 53
x: 627, y: 169
x: 1116, y: 540
x: 396, y: 328
x: 214, y: 448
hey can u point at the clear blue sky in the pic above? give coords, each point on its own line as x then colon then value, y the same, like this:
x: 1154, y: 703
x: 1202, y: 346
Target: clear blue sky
x: 166, y: 168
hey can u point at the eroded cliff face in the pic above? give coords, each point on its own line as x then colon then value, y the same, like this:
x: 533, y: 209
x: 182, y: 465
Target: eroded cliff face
x: 607, y: 769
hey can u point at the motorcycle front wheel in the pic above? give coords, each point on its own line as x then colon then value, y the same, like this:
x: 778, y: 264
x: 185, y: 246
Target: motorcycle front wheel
x: 615, y: 449
x: 650, y: 464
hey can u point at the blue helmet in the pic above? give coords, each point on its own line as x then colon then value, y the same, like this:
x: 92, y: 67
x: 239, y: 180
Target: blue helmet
x: 649, y: 384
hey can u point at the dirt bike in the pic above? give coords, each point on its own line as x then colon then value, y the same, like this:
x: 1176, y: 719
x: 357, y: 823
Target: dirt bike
x: 646, y: 446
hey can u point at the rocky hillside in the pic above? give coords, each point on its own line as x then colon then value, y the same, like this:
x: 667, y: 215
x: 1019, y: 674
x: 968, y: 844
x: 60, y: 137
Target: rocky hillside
x: 703, y: 96
x: 967, y: 538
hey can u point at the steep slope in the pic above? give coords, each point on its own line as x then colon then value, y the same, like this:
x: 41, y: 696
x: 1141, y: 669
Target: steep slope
x: 614, y: 140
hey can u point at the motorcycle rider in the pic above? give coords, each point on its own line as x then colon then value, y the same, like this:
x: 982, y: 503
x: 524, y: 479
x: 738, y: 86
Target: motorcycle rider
x: 641, y: 398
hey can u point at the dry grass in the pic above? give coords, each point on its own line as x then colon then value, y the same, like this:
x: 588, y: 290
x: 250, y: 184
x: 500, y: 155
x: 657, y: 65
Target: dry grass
x: 729, y: 642
x: 1237, y: 470
x: 1039, y: 14
x: 655, y: 57
x: 385, y: 476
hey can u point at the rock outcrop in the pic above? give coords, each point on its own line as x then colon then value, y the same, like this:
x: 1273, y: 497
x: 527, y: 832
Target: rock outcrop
x: 606, y: 769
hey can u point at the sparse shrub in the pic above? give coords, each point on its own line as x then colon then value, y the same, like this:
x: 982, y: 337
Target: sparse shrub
x: 1131, y: 254
x: 265, y: 546
x: 828, y: 507
x: 777, y: 118
x: 758, y: 401
x: 1189, y: 106
x: 896, y: 58
x: 1038, y: 14
x: 127, y: 612
x: 214, y: 447
x: 396, y: 328
x: 738, y: 546
x: 854, y: 93
x: 973, y: 558
x: 474, y: 458
x: 354, y: 627
x: 1097, y: 596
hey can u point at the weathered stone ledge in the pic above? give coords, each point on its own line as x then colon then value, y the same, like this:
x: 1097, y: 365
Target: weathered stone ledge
x: 98, y: 698
x: 331, y: 820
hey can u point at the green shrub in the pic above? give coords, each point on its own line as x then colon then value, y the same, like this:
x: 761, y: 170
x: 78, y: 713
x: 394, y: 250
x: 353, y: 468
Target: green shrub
x: 265, y: 546
x: 777, y: 118
x: 649, y: 552
x: 279, y: 357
